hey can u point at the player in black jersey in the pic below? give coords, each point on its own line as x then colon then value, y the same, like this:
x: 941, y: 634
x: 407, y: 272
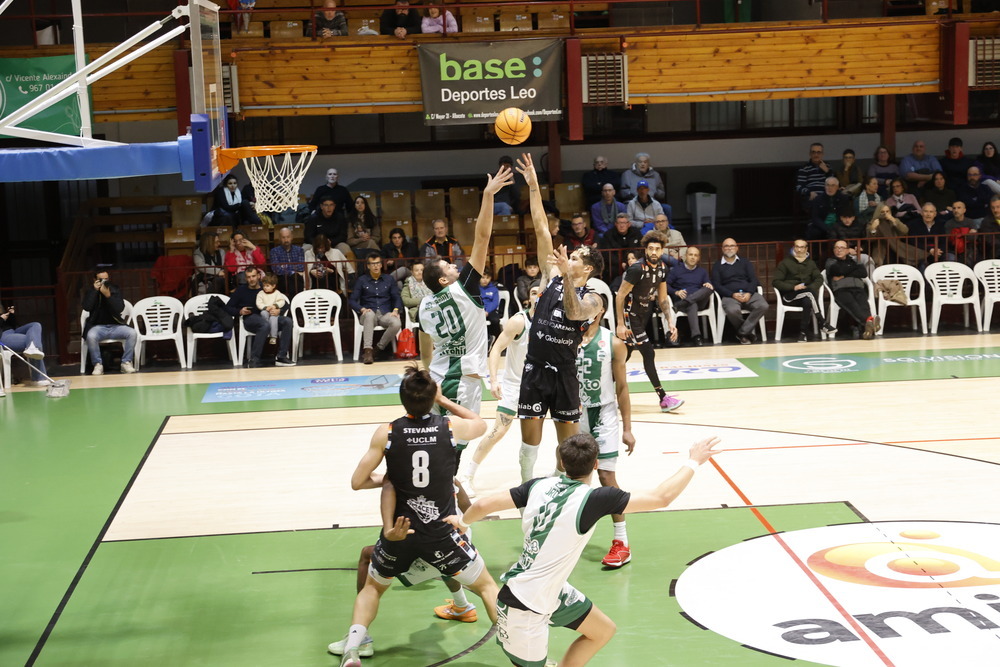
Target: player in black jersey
x: 549, y: 383
x: 419, y: 451
x: 645, y: 284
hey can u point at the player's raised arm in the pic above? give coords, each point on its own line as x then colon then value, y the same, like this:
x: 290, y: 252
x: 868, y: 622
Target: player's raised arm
x: 539, y: 220
x: 364, y: 477
x: 666, y: 492
x: 484, y: 223
x: 511, y: 330
x: 618, y: 354
x: 576, y: 308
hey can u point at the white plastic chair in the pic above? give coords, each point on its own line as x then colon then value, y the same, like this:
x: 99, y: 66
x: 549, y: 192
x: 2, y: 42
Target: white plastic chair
x: 947, y: 280
x: 158, y: 318
x: 197, y: 305
x: 504, y: 306
x: 833, y: 313
x: 910, y: 279
x: 359, y: 334
x: 988, y: 272
x: 601, y: 287
x: 319, y: 310
x: 711, y: 312
x: 721, y: 318
x: 784, y: 309
x: 5, y: 357
x: 84, y: 353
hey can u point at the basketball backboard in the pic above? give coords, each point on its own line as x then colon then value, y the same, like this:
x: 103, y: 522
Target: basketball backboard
x: 208, y: 107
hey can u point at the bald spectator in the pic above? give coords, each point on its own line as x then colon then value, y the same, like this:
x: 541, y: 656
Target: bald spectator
x: 642, y: 170
x: 675, y: 240
x: 735, y: 281
x: 975, y: 195
x: 288, y: 264
x: 593, y: 181
x: 918, y: 167
x: 329, y: 21
x: 823, y: 209
x: 604, y: 212
x: 333, y: 189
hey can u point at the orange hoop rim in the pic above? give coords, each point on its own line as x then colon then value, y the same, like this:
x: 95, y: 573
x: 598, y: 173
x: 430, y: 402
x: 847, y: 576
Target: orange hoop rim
x: 230, y: 157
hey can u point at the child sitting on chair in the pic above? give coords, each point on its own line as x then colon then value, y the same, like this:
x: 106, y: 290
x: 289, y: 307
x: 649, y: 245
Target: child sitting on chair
x: 267, y: 297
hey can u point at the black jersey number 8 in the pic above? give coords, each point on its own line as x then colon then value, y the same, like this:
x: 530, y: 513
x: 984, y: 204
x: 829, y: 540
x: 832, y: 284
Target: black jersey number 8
x: 421, y: 469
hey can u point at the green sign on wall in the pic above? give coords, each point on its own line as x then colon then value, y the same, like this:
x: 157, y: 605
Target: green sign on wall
x: 24, y: 79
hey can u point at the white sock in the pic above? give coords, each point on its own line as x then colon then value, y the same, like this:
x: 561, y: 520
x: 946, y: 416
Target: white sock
x: 460, y: 600
x: 355, y: 637
x: 620, y: 533
x: 527, y: 458
x: 473, y: 467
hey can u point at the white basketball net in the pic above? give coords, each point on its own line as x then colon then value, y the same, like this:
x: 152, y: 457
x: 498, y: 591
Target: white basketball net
x: 276, y: 179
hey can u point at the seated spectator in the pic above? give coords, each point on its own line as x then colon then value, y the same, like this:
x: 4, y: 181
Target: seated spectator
x: 643, y: 209
x: 846, y: 279
x: 554, y: 224
x: 797, y: 280
x: 849, y: 174
x: 904, y: 205
x: 975, y: 195
x: 268, y: 299
x: 989, y: 241
x: 938, y: 192
x: 691, y: 289
x: 243, y: 301
x: 106, y: 319
x: 884, y: 225
x: 375, y: 299
x: 230, y: 208
x: 444, y: 246
x: 616, y: 241
x: 433, y: 21
x: 362, y: 228
x: 288, y: 264
x: 675, y: 240
x: 580, y: 234
x: 329, y: 21
x: 642, y: 171
x: 954, y: 165
x: 209, y: 265
x: 490, y: 294
x: 811, y: 177
x: 397, y: 251
x: 242, y: 254
x: 26, y: 340
x: 735, y: 281
x: 868, y: 200
x: 603, y: 213
x: 929, y: 233
x: 823, y: 209
x: 400, y: 21
x: 917, y: 167
x: 414, y: 289
x: 884, y: 169
x: 328, y: 268
x: 989, y: 164
x: 849, y: 228
x: 508, y: 200
x: 330, y: 221
x: 530, y: 278
x: 593, y: 182
x: 332, y: 188
x: 959, y: 230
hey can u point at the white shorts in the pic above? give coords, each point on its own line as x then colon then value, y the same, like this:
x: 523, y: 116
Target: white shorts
x: 524, y: 635
x: 464, y: 390
x: 511, y: 391
x: 602, y: 423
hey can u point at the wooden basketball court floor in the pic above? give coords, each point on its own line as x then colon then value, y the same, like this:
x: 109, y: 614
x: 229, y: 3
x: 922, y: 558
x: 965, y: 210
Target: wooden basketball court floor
x: 142, y: 525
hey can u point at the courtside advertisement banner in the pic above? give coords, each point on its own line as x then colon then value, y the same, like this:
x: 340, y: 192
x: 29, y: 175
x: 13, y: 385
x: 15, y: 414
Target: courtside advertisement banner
x: 24, y: 79
x: 467, y: 84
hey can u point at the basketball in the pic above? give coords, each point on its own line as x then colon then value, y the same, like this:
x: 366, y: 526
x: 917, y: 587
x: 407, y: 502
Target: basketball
x: 512, y: 126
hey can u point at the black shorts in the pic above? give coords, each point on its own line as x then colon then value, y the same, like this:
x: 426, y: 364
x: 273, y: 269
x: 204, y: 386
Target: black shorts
x: 448, y: 554
x: 637, y: 322
x: 549, y: 389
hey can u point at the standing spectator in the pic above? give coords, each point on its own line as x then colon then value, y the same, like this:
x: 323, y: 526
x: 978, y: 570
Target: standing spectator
x: 329, y: 220
x: 400, y: 20
x: 623, y: 236
x: 242, y: 254
x: 209, y: 262
x: 955, y: 164
x: 106, y: 319
x: 580, y: 234
x: 444, y: 246
x: 823, y: 209
x: 397, y: 251
x: 229, y: 207
x: 288, y: 264
x: 270, y: 296
x: 508, y: 200
x: 243, y: 301
x: 26, y: 340
x: 975, y: 195
x: 917, y: 167
x: 490, y: 295
x: 375, y: 298
x: 643, y: 209
x: 938, y: 193
x: 810, y: 177
x: 593, y: 181
x: 362, y: 228
x: 691, y: 289
x: 797, y: 280
x: 527, y: 280
x: 603, y: 212
x: 642, y: 171
x: 847, y: 280
x: 433, y: 21
x: 328, y: 268
x: 330, y: 22
x: 849, y: 174
x: 735, y: 280
x: 869, y: 199
x: 884, y: 169
x: 332, y: 188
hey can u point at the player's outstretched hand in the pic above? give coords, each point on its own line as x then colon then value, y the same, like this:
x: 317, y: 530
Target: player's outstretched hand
x: 560, y: 260
x: 526, y: 168
x: 399, y: 530
x: 703, y: 450
x: 502, y: 178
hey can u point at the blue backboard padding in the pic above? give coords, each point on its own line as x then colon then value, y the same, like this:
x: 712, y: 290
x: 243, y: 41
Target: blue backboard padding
x: 72, y: 164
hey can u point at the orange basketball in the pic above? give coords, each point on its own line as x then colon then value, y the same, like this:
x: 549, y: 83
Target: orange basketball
x: 512, y: 126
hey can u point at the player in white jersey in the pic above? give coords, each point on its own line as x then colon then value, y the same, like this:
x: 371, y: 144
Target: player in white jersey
x: 513, y: 339
x: 558, y: 519
x: 603, y: 392
x: 453, y: 314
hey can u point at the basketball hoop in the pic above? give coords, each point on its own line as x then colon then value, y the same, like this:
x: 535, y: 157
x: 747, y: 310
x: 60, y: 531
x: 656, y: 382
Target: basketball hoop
x: 276, y: 179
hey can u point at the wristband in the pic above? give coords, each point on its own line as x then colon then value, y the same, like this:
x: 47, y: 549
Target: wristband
x: 691, y: 463
x: 462, y: 526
